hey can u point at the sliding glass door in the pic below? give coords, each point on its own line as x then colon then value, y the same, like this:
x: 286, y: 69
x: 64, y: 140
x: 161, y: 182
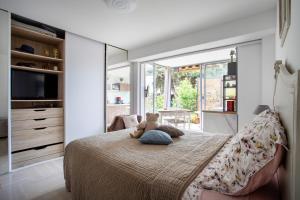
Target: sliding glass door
x: 212, y: 85
x: 149, y: 88
x: 155, y: 91
x: 191, y: 88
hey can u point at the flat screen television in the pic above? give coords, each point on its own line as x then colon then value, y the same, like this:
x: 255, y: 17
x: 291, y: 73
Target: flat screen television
x: 33, y: 85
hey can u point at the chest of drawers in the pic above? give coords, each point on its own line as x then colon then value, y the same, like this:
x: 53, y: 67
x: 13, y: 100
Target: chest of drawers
x: 37, y: 135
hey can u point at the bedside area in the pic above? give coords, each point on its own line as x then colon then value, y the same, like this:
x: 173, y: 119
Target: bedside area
x: 220, y: 122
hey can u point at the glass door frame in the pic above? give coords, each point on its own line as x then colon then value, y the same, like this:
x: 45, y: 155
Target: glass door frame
x: 143, y: 65
x: 106, y: 46
x: 203, y: 85
x: 202, y: 77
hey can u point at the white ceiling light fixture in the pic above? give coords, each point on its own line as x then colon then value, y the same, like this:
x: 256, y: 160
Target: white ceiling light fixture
x: 121, y: 6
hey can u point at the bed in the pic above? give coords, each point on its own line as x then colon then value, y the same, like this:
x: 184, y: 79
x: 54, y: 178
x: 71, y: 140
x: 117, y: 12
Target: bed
x: 128, y: 168
x: 114, y: 166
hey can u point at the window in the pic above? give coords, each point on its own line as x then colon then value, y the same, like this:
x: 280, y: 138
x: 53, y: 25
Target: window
x: 212, y: 85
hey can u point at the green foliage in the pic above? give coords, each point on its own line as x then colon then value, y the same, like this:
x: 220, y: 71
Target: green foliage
x: 160, y: 102
x: 177, y: 77
x: 160, y: 79
x: 186, y: 95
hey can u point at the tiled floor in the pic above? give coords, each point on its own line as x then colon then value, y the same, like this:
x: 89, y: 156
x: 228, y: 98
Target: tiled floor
x: 42, y: 181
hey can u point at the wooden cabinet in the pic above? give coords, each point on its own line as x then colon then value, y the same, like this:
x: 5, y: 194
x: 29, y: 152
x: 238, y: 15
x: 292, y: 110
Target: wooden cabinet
x: 38, y: 154
x: 36, y: 113
x: 37, y: 122
x: 37, y: 135
x: 26, y: 139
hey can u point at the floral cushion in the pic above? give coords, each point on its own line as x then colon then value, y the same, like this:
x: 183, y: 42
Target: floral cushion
x: 242, y: 157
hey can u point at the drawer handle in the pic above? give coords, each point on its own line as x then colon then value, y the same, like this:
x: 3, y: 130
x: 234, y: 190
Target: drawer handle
x: 40, y: 119
x: 39, y: 110
x: 40, y: 128
x: 41, y: 147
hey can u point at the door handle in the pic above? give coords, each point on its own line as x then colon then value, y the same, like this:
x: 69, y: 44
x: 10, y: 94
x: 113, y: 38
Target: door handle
x: 39, y: 110
x: 41, y: 147
x: 40, y: 128
x: 39, y: 119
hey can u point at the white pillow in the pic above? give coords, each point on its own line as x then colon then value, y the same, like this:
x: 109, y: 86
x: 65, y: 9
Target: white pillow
x: 130, y: 121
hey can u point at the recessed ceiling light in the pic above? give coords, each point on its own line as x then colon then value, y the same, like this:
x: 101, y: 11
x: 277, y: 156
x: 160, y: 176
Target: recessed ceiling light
x: 121, y: 6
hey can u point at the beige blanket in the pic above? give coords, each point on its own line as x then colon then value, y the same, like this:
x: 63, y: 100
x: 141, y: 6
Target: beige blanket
x: 115, y: 166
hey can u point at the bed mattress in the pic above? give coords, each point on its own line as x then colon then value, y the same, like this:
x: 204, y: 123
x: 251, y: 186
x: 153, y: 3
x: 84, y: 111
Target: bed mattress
x: 115, y: 166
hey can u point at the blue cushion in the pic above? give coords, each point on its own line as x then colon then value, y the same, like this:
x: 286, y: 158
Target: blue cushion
x: 155, y: 137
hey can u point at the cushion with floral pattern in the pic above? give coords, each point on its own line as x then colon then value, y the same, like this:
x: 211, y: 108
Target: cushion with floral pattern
x: 242, y: 157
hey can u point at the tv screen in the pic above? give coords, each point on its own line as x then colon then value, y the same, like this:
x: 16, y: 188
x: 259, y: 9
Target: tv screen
x: 33, y: 85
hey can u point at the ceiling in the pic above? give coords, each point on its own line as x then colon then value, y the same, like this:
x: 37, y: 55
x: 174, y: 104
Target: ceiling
x: 197, y: 58
x: 111, y: 51
x: 153, y: 20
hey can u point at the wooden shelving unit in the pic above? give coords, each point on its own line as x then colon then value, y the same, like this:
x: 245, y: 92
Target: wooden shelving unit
x: 37, y: 100
x: 37, y: 124
x: 36, y: 69
x: 34, y: 57
x: 34, y: 35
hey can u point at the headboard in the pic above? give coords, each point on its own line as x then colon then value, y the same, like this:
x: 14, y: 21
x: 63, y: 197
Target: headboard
x: 287, y: 103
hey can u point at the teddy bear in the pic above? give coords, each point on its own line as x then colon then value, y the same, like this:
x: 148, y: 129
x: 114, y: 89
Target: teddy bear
x: 149, y: 124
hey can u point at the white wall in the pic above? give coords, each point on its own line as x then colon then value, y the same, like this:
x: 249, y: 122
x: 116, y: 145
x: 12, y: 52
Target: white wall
x: 241, y: 30
x: 249, y: 81
x: 289, y: 53
x: 136, y: 89
x: 4, y: 90
x: 84, y: 87
x: 267, y: 73
x: 4, y: 59
x: 226, y: 123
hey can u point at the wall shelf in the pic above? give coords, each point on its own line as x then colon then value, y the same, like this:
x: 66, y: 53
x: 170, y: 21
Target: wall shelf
x: 36, y: 100
x: 231, y: 87
x: 229, y: 100
x: 219, y: 112
x: 34, y: 35
x: 28, y: 56
x: 47, y: 71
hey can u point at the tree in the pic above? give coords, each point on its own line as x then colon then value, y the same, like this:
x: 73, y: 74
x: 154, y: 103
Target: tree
x: 186, y: 95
